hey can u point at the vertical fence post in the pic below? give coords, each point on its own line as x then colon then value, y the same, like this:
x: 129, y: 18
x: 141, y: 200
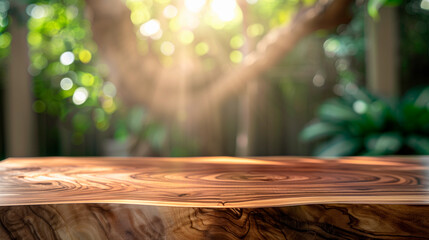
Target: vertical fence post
x: 20, y: 119
x: 382, y: 61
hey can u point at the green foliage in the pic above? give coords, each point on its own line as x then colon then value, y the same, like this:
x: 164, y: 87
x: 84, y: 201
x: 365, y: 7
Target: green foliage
x: 67, y: 81
x: 414, y: 44
x: 347, y: 49
x: 359, y: 123
x: 5, y: 37
x: 212, y: 32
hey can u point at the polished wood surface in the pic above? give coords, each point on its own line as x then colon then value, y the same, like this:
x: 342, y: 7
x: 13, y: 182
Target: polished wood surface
x: 215, y: 198
x: 215, y: 181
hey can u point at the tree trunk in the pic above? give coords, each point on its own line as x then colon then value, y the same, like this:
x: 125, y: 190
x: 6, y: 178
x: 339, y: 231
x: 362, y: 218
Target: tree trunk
x: 142, y: 80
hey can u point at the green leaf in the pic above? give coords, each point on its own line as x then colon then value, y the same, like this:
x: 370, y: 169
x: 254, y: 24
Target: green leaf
x: 339, y: 146
x: 156, y: 135
x: 418, y: 96
x: 320, y: 130
x: 377, y: 114
x: 423, y: 98
x: 419, y: 144
x: 360, y: 94
x: 337, y: 111
x: 413, y: 118
x: 135, y: 119
x: 384, y: 144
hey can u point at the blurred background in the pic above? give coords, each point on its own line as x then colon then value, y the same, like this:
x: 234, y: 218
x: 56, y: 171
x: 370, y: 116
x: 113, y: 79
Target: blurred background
x: 213, y: 77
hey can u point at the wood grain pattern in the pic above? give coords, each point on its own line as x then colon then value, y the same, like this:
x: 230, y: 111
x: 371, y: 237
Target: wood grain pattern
x: 215, y: 198
x: 215, y: 181
x: 127, y: 221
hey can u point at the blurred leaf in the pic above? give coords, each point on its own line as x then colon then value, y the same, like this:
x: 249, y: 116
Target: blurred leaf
x: 384, y: 144
x: 413, y: 117
x: 376, y: 114
x: 412, y: 95
x: 121, y: 132
x: 320, y: 130
x: 339, y: 146
x: 337, y: 111
x: 135, y: 119
x: 370, y: 126
x: 423, y: 98
x: 156, y: 135
x: 360, y: 94
x: 419, y: 144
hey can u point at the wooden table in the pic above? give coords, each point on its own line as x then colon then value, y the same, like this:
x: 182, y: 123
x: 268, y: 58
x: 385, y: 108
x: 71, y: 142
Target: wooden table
x: 215, y: 198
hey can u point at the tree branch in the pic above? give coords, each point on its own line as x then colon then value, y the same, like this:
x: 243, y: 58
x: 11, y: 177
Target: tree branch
x: 325, y: 14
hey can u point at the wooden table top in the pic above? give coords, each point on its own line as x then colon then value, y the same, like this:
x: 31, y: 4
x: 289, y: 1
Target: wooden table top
x: 215, y: 181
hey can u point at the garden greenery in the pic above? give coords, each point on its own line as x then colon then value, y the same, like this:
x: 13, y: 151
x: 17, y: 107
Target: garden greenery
x: 359, y: 123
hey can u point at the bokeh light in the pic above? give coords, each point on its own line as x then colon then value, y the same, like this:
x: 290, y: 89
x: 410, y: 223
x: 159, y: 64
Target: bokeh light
x: 194, y: 6
x: 167, y: 48
x: 319, y: 80
x: 85, y: 56
x: 255, y: 30
x: 39, y: 106
x: 202, y: 48
x: 67, y: 58
x: 186, y: 37
x: 170, y: 11
x: 189, y: 21
x: 237, y: 41
x: 360, y: 107
x: 150, y: 28
x: 157, y: 35
x: 140, y: 15
x: 87, y: 79
x: 331, y: 47
x: 5, y: 40
x: 37, y: 11
x: 109, y: 105
x: 66, y: 83
x: 80, y: 95
x: 224, y: 9
x: 424, y: 4
x: 236, y: 56
x: 109, y: 89
x: 72, y: 12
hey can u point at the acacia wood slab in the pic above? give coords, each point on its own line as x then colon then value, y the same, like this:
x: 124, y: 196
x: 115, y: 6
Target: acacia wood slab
x: 215, y: 198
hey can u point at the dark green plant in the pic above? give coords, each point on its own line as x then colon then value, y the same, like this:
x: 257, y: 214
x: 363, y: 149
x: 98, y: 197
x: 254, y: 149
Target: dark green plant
x: 359, y: 123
